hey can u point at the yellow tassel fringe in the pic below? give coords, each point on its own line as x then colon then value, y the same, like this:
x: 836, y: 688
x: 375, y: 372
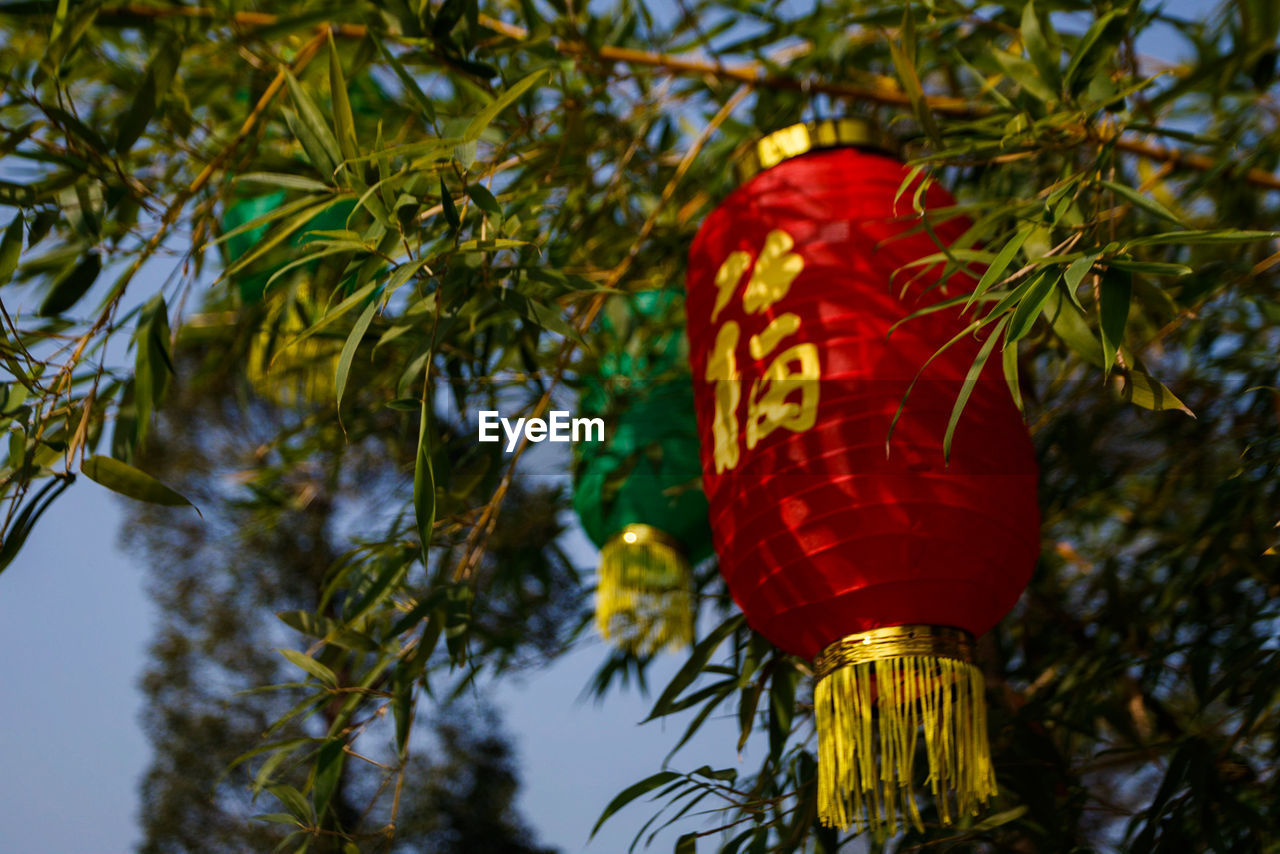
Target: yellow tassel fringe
x: 644, y: 601
x: 871, y: 709
x: 289, y: 374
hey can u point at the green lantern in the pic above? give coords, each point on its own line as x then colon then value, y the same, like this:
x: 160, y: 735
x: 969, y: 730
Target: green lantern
x: 639, y: 493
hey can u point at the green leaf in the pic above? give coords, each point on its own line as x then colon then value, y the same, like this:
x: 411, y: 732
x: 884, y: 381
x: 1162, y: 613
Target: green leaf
x: 1149, y: 205
x: 294, y: 802
x: 966, y: 388
x: 349, y: 349
x: 1149, y: 268
x: 1009, y: 362
x: 279, y: 818
x: 155, y: 85
x: 406, y: 80
x: 902, y: 52
x: 152, y: 362
x: 447, y: 205
x: 489, y: 113
x: 286, y: 746
x: 424, y: 485
x: 698, y: 658
x: 130, y: 482
x: 10, y: 249
x: 484, y: 200
x: 1024, y: 316
x: 71, y: 286
x: 1095, y: 48
x: 25, y: 522
x: 1203, y: 237
x: 286, y: 180
x: 1113, y: 311
x: 329, y: 761
x: 687, y: 844
x: 1070, y: 326
x: 629, y: 794
x: 309, y: 664
x: 344, y: 123
x: 999, y: 819
x: 1146, y: 391
x: 312, y: 130
x: 1004, y: 258
x: 1075, y: 275
x: 1039, y: 50
x: 1024, y: 73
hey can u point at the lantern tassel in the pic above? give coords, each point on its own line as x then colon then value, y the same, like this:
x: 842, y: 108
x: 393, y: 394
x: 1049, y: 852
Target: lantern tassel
x: 644, y: 600
x: 876, y: 692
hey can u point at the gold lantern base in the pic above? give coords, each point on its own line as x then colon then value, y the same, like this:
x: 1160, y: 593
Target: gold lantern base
x: 876, y: 692
x: 644, y: 601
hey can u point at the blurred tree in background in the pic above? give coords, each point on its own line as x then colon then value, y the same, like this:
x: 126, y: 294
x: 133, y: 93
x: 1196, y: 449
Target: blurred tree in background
x: 384, y: 215
x: 275, y: 524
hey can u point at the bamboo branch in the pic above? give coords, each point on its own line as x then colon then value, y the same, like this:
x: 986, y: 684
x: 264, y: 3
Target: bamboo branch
x: 752, y: 74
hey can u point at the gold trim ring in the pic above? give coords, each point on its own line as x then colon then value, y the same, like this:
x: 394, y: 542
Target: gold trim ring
x: 637, y: 533
x: 895, y: 642
x: 798, y: 139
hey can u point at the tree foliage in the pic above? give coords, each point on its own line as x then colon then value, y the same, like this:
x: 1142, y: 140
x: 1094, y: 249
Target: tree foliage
x: 234, y: 588
x: 457, y: 187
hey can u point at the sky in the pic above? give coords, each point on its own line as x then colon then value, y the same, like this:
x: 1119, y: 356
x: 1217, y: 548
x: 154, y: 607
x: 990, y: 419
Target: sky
x: 75, y: 621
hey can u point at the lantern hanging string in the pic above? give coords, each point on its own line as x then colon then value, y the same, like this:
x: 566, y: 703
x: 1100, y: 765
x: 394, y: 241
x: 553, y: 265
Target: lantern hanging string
x: 886, y: 92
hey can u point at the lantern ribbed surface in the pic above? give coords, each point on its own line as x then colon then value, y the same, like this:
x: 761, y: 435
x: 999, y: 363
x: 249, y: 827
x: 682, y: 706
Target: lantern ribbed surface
x: 826, y: 526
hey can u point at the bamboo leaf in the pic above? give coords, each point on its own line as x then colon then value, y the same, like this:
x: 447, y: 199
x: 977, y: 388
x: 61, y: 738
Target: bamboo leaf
x: 71, y: 286
x: 424, y: 486
x: 310, y: 665
x: 1113, y: 312
x: 1149, y: 205
x: 1042, y: 54
x: 698, y: 658
x: 966, y: 388
x: 294, y: 802
x: 349, y: 349
x: 484, y: 199
x: 1144, y: 390
x: 1004, y: 258
x: 506, y: 99
x: 1094, y: 49
x: 1075, y: 275
x: 1202, y: 237
x: 447, y: 206
x: 10, y: 249
x: 1024, y: 316
x: 344, y: 124
x: 309, y: 126
x: 283, y: 179
x: 329, y: 761
x: 155, y: 85
x: 629, y: 794
x: 1070, y: 326
x: 1009, y: 363
x: 124, y: 479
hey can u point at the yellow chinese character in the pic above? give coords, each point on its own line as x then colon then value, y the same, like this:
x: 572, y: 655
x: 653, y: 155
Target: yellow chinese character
x: 776, y: 268
x: 722, y: 369
x: 772, y: 402
x: 771, y: 406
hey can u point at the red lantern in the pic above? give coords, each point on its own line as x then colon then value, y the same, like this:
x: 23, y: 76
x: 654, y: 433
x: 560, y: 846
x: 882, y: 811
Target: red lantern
x: 873, y: 554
